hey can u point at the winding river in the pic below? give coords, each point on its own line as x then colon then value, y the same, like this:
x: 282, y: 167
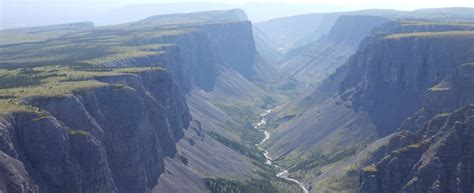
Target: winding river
x: 283, y: 174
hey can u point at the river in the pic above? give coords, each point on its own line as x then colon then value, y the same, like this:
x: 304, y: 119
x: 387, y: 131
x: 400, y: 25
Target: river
x: 283, y: 174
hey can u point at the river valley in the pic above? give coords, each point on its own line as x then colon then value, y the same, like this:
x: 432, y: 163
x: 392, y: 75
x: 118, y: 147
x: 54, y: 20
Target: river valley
x: 283, y: 173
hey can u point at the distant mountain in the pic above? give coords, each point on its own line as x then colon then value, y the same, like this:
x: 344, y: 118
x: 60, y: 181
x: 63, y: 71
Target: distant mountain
x: 27, y: 14
x: 18, y: 14
x: 298, y: 30
x: 303, y: 46
x: 315, y: 61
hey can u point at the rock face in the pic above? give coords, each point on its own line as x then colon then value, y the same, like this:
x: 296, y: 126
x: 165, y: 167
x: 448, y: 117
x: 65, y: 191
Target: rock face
x: 118, y: 137
x: 389, y: 76
x: 285, y: 32
x: 108, y: 139
x: 224, y: 45
x: 169, y: 57
x: 315, y: 61
x: 392, y: 81
x: 288, y: 33
x: 14, y: 177
x: 440, y: 118
x: 439, y: 161
x: 197, y: 57
x: 316, y: 109
x: 352, y: 29
x: 233, y: 45
x: 454, y: 92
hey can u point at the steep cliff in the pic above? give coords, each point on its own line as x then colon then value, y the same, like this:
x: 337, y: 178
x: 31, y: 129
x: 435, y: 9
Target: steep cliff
x: 288, y: 33
x: 450, y: 94
x: 224, y: 45
x: 435, y: 130
x: 391, y: 73
x: 325, y: 135
x: 195, y: 47
x: 117, y: 94
x: 439, y: 161
x: 285, y: 32
x: 110, y: 138
x: 317, y: 60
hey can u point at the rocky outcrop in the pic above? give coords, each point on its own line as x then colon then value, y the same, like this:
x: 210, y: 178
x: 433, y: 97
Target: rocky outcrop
x: 223, y: 45
x: 107, y: 139
x: 197, y: 57
x: 288, y: 33
x: 317, y: 60
x: 454, y: 92
x: 450, y: 94
x: 49, y: 153
x: 185, y: 58
x: 389, y: 79
x: 14, y: 177
x: 389, y: 76
x: 432, y: 130
x: 435, y: 91
x: 352, y: 29
x: 167, y: 56
x: 439, y: 161
x: 233, y: 45
x: 285, y: 32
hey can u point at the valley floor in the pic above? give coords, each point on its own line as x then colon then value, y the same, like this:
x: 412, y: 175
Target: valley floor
x: 283, y: 173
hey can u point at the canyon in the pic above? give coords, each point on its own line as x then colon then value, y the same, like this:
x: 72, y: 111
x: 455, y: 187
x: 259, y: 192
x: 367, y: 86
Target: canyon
x: 367, y: 101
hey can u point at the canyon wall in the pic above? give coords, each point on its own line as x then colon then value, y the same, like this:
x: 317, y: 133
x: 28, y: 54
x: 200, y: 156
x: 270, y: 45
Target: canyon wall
x: 117, y: 137
x: 108, y: 139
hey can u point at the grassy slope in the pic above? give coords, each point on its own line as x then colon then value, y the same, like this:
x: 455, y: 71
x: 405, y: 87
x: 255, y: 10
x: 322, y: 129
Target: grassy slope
x: 243, y: 138
x: 51, y: 81
x: 447, y: 34
x: 76, y: 43
x: 59, y: 59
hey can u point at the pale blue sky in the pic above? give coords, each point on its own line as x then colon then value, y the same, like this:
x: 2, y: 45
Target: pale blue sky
x: 26, y: 13
x: 396, y: 4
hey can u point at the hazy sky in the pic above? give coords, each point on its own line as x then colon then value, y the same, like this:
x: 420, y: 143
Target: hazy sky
x: 398, y: 4
x: 26, y: 13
